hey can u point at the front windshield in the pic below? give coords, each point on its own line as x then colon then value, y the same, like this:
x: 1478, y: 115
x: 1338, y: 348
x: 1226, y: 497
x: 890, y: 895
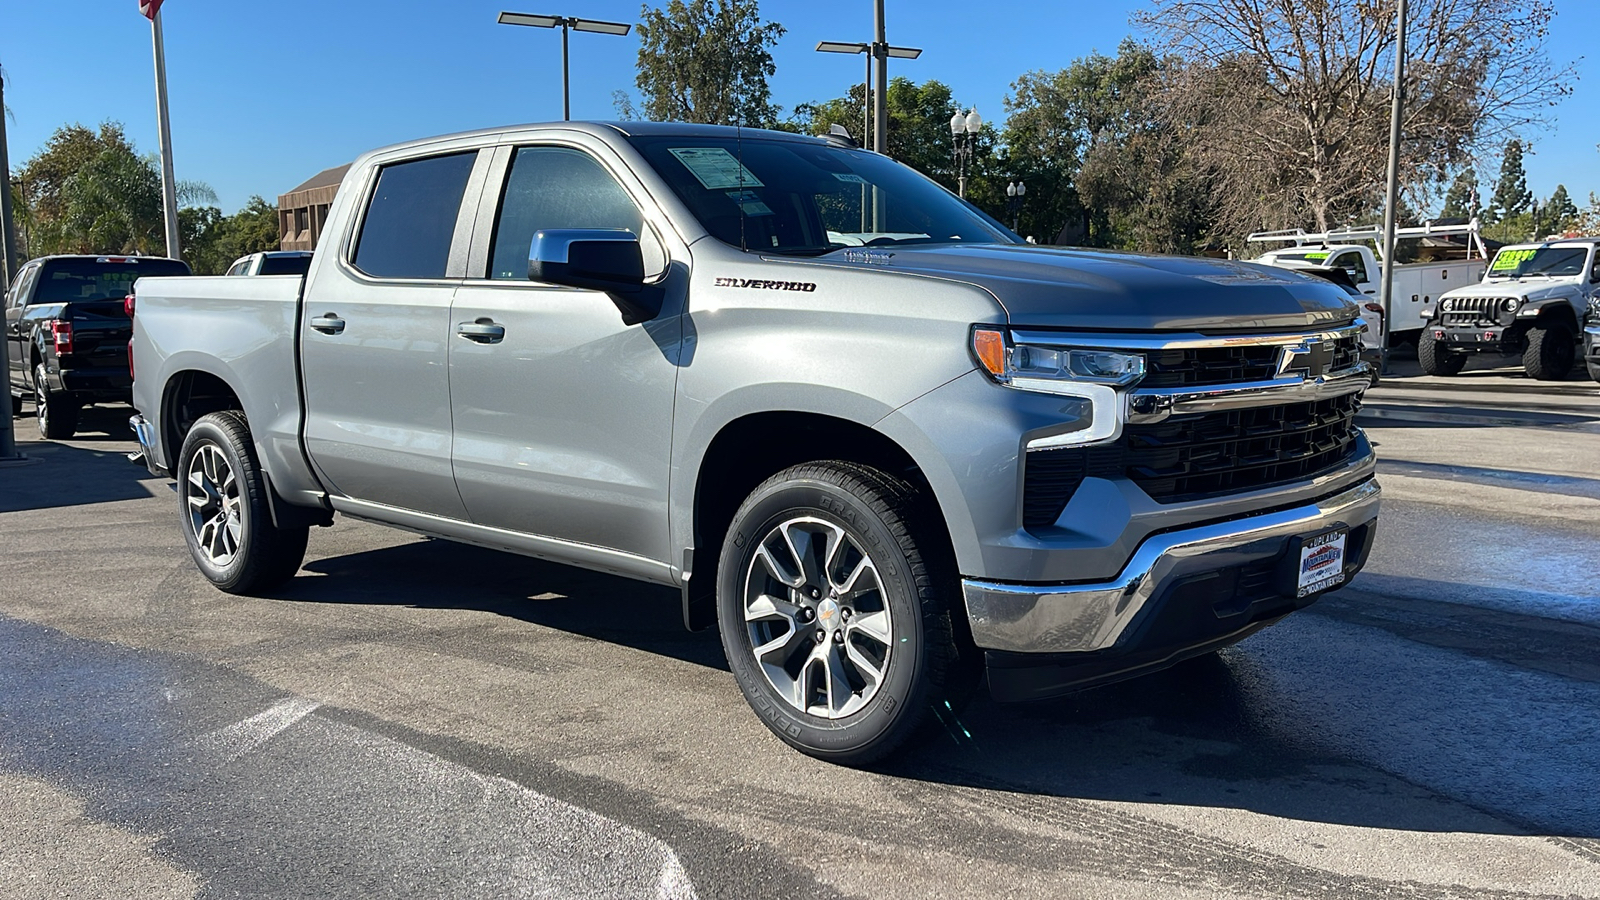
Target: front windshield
x: 1515, y: 262
x: 809, y: 198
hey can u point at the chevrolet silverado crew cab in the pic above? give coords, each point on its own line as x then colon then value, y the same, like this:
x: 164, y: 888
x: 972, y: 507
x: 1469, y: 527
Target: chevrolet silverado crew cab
x: 1531, y: 303
x: 878, y: 440
x: 67, y: 326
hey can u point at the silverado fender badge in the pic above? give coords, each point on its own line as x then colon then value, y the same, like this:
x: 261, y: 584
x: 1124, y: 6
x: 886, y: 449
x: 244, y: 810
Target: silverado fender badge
x: 762, y: 284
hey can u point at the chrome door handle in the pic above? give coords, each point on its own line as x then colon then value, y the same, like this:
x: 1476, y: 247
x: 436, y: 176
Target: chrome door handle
x: 483, y: 331
x: 328, y: 324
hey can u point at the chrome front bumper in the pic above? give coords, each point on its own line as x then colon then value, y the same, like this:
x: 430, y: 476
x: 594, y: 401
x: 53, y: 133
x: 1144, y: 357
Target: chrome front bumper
x: 1024, y: 618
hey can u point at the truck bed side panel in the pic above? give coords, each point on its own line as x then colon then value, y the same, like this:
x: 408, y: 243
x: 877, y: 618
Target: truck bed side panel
x: 241, y: 330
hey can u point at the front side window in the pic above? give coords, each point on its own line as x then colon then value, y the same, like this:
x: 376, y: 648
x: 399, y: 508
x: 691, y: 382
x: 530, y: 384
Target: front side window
x: 556, y: 187
x: 411, y: 218
x: 809, y: 198
x: 1351, y: 262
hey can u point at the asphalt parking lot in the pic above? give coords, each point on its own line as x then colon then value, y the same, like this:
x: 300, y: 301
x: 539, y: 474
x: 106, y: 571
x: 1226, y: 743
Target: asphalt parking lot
x: 412, y: 718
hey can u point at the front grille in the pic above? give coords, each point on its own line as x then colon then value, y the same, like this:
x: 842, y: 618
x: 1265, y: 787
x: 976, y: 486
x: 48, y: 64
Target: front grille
x: 1211, y: 366
x: 1199, y: 456
x: 1475, y: 312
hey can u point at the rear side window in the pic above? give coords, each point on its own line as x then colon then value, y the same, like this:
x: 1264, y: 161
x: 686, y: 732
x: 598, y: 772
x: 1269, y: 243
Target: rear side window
x: 412, y: 217
x: 285, y: 265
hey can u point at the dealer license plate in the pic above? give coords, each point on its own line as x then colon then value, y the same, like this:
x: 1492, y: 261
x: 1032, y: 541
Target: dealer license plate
x: 1321, y: 563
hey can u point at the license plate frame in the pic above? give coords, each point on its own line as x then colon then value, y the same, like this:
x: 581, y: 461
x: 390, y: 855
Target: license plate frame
x: 1316, y: 563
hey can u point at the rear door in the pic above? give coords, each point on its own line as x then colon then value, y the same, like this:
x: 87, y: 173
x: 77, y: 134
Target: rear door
x: 563, y: 423
x: 375, y: 327
x: 17, y: 349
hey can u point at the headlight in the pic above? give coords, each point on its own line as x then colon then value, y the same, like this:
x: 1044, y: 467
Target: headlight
x: 1510, y: 304
x: 1032, y: 367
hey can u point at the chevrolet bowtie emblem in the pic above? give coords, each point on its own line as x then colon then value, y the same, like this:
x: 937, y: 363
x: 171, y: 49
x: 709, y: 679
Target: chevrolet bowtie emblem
x: 1311, y: 357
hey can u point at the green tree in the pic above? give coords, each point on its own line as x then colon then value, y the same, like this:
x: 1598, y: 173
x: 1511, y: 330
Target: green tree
x: 705, y: 61
x: 1462, y: 200
x: 1511, y: 194
x: 212, y: 241
x: 919, y: 127
x: 1560, y: 212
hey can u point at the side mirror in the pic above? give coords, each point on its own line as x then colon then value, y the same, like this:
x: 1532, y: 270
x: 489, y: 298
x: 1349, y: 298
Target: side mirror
x: 599, y: 259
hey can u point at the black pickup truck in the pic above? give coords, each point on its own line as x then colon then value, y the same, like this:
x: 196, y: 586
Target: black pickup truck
x: 68, y: 329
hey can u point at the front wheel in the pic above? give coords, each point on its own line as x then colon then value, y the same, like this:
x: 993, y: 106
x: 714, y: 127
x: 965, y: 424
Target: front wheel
x: 1436, y: 360
x: 837, y: 606
x: 222, y: 499
x: 55, y: 412
x: 1550, y: 352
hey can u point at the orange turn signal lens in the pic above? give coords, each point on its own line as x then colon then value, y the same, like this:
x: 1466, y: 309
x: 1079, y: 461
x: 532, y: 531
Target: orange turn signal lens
x: 989, y: 347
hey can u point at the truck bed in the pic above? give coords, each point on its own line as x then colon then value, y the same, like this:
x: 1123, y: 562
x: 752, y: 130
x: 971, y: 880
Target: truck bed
x: 243, y: 331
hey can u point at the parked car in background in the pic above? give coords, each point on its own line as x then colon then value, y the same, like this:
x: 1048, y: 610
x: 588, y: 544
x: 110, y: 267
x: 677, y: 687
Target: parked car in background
x: 881, y: 456
x: 1416, y: 285
x: 1591, y: 338
x: 272, y: 262
x: 1531, y: 303
x: 68, y: 325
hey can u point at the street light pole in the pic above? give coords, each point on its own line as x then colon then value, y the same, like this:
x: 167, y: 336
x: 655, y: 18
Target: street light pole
x: 963, y: 137
x: 8, y: 271
x: 169, y: 190
x: 1014, y: 192
x: 594, y: 26
x: 1391, y: 193
x: 868, y: 95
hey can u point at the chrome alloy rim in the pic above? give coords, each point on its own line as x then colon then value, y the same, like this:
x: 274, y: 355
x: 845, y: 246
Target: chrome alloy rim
x: 41, y: 403
x: 213, y: 498
x: 817, y: 617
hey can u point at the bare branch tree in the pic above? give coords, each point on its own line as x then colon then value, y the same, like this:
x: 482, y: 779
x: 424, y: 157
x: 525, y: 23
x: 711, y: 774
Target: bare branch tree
x: 1289, y: 99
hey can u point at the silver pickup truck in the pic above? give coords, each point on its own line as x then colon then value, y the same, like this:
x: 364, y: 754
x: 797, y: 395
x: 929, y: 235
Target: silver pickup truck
x: 884, y: 445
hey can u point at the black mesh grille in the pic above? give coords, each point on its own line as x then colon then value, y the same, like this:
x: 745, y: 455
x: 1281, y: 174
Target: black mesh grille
x: 1194, y: 457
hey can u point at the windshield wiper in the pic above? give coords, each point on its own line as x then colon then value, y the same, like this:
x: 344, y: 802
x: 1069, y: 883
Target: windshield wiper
x: 802, y: 251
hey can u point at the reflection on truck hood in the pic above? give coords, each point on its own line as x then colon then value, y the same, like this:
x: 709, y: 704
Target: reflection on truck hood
x: 1108, y: 290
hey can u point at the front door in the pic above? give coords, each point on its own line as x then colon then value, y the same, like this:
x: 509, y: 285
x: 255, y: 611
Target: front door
x: 375, y: 331
x: 563, y: 414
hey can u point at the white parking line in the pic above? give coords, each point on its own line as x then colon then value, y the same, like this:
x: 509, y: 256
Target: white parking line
x: 242, y: 737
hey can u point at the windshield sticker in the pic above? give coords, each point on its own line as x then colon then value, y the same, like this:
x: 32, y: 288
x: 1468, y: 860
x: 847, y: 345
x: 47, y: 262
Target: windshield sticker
x: 1510, y: 259
x: 749, y: 203
x: 850, y: 177
x: 715, y: 168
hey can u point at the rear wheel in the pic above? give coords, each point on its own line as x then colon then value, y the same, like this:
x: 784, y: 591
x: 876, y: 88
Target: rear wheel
x: 55, y: 412
x: 1550, y: 352
x: 837, y: 606
x: 1435, y: 359
x: 222, y: 499
x: 16, y: 405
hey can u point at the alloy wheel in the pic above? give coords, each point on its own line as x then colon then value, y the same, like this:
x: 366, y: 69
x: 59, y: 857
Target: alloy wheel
x: 818, y: 620
x: 213, y: 497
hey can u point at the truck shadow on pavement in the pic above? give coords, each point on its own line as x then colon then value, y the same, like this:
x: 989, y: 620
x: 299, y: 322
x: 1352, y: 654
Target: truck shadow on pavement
x: 437, y: 574
x: 65, y: 475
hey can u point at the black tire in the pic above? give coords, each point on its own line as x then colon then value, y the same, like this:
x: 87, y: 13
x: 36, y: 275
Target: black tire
x: 1550, y: 352
x: 16, y: 405
x: 262, y: 555
x: 1436, y: 360
x: 55, y: 412
x: 928, y: 661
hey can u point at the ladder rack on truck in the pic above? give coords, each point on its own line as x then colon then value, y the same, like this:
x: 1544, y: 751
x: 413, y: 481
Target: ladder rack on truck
x: 1300, y: 236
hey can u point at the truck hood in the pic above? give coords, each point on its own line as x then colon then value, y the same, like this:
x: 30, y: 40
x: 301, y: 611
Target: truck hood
x: 1059, y: 287
x: 1528, y: 289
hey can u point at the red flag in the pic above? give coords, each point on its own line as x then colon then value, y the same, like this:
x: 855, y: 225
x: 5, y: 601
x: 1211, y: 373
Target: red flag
x: 149, y: 8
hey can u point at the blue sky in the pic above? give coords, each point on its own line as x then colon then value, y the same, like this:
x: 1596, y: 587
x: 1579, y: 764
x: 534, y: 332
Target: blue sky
x: 264, y: 95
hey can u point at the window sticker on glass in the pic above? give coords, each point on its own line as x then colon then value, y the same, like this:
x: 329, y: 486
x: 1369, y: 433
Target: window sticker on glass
x: 749, y: 203
x: 850, y: 177
x: 716, y: 168
x: 1510, y: 259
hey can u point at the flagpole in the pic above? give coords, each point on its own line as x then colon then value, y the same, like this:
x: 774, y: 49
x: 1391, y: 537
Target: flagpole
x: 169, y: 190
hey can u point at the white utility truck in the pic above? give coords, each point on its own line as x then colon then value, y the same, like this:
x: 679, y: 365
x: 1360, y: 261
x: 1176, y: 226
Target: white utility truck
x: 1416, y: 285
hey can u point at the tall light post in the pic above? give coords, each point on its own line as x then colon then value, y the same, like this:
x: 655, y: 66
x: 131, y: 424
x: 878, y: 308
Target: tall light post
x: 1391, y: 193
x: 1014, y: 192
x: 593, y: 26
x: 867, y: 94
x: 964, y: 136
x: 8, y: 270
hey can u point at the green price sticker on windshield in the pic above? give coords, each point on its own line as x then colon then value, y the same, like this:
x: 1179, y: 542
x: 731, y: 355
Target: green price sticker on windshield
x: 1510, y: 259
